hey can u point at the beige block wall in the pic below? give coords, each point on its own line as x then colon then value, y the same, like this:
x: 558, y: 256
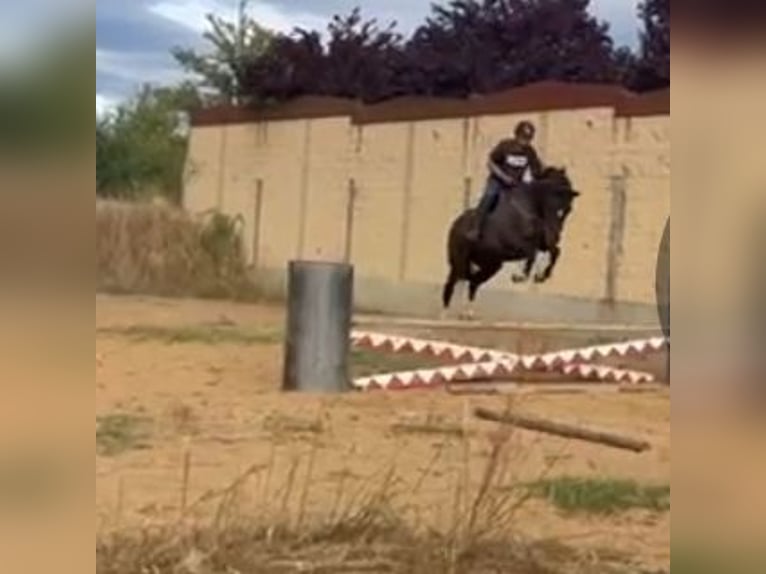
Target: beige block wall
x: 328, y: 173
x: 581, y: 141
x: 203, y: 168
x: 642, y: 152
x: 281, y: 147
x: 440, y: 161
x: 239, y: 178
x: 380, y: 167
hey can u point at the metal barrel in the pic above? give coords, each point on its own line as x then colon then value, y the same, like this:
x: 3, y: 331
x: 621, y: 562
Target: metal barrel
x: 319, y: 307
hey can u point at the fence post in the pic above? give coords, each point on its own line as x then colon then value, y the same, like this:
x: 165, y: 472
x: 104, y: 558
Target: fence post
x: 409, y: 171
x: 319, y: 306
x: 350, y: 208
x: 466, y: 192
x: 618, y: 193
x: 303, y: 206
x: 255, y: 247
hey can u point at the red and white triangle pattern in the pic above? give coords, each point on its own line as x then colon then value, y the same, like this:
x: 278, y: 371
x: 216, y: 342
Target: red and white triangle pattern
x: 483, y: 364
x: 447, y: 351
x: 427, y: 378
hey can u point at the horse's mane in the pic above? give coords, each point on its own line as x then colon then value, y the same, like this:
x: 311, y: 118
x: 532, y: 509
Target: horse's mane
x: 552, y: 180
x: 556, y: 177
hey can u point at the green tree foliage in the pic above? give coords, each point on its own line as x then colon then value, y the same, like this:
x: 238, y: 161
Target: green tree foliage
x: 141, y: 146
x: 234, y: 44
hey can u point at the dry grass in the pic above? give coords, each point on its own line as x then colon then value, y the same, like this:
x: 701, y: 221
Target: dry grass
x: 117, y: 433
x: 256, y: 525
x: 201, y: 334
x: 280, y: 425
x: 161, y: 250
x: 431, y: 424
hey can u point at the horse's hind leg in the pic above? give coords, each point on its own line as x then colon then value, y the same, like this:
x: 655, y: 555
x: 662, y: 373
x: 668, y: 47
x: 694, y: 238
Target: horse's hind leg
x: 523, y: 275
x: 475, y: 281
x: 449, y: 289
x: 455, y: 282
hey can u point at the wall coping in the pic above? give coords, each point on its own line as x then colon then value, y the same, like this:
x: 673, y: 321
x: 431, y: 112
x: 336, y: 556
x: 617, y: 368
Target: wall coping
x: 537, y: 97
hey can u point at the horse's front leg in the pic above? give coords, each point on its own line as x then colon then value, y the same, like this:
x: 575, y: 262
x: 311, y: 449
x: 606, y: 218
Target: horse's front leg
x: 529, y: 261
x: 554, y: 254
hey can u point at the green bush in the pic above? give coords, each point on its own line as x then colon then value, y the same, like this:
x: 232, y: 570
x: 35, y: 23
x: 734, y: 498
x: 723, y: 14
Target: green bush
x: 601, y: 496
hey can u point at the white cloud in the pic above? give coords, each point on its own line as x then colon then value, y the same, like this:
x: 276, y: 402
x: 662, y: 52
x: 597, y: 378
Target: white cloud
x: 104, y: 104
x: 193, y: 14
x: 139, y: 67
x: 622, y: 16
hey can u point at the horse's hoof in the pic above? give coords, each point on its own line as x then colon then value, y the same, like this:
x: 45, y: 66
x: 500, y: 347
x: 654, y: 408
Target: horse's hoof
x: 468, y: 315
x: 518, y: 278
x: 542, y: 277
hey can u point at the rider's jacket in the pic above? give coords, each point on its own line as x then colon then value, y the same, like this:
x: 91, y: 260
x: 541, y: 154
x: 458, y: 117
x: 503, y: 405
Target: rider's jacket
x: 515, y: 158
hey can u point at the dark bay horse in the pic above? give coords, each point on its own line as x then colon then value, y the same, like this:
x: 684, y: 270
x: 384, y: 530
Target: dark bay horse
x: 526, y: 221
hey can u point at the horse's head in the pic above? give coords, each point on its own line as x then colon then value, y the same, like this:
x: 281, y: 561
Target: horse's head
x: 557, y: 199
x: 556, y: 193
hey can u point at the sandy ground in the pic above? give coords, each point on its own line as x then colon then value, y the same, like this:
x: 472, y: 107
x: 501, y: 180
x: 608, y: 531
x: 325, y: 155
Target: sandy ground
x: 221, y: 404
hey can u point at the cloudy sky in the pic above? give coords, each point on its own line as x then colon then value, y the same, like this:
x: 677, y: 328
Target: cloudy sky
x: 134, y: 37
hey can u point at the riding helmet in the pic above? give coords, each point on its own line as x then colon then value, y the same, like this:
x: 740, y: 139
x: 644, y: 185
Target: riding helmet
x: 525, y: 130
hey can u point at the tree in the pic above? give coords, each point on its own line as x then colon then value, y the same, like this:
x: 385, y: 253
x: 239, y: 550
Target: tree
x: 141, y: 146
x: 362, y: 60
x: 480, y: 46
x: 359, y: 60
x: 653, y: 65
x: 626, y: 62
x: 292, y: 67
x: 451, y: 54
x: 234, y: 45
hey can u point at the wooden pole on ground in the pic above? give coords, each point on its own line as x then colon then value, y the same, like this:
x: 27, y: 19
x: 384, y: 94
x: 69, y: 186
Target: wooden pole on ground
x: 549, y: 388
x: 562, y: 429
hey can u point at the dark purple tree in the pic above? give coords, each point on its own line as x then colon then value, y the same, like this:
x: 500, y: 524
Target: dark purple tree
x: 452, y: 53
x: 358, y: 60
x: 292, y: 67
x: 362, y: 60
x: 626, y: 62
x: 480, y: 46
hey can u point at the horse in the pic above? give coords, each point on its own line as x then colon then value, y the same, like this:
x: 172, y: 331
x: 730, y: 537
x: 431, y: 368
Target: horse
x: 527, y: 220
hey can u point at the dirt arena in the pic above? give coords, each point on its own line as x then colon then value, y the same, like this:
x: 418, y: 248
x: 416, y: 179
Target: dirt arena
x: 213, y: 401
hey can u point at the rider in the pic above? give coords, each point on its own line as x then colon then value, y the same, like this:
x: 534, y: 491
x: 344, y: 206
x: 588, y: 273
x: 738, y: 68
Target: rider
x: 508, y: 162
